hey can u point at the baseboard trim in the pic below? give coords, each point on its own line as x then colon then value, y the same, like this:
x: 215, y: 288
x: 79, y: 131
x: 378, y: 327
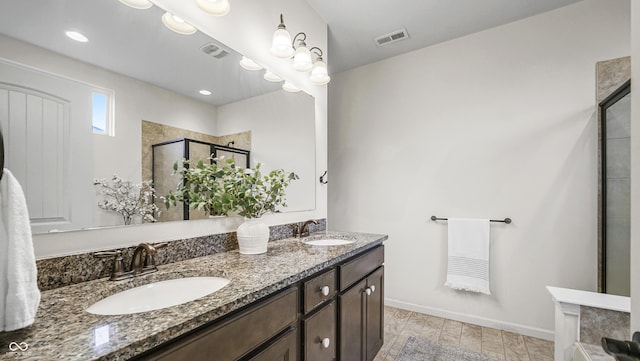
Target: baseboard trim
x: 480, y: 321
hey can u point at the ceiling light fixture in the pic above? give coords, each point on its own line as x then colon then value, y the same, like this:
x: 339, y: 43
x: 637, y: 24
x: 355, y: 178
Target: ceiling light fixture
x: 302, y: 57
x: 205, y: 92
x: 319, y: 73
x: 281, y: 42
x: 288, y: 86
x: 282, y: 46
x: 214, y: 7
x: 137, y: 4
x: 76, y: 36
x: 272, y: 77
x: 177, y: 24
x: 249, y: 64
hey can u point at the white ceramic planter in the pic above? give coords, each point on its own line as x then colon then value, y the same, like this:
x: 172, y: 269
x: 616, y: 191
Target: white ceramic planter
x: 253, y: 236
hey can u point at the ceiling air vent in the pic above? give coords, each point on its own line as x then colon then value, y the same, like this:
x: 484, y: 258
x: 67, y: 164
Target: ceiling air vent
x: 392, y: 37
x: 215, y: 50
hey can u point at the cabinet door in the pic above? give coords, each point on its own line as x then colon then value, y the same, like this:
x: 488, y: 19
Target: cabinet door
x: 320, y: 335
x: 284, y: 349
x: 352, y: 323
x: 375, y: 313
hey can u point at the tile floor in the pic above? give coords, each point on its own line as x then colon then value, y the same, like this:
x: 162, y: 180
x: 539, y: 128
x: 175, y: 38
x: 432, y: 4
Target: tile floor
x: 502, y: 345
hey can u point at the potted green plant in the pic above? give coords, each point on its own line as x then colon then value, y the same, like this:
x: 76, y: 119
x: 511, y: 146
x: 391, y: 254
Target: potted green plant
x: 221, y: 187
x: 253, y: 195
x: 201, y: 187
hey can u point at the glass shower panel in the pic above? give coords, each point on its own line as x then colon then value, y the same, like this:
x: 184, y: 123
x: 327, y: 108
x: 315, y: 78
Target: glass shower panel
x: 164, y: 156
x: 617, y: 200
x: 198, y: 152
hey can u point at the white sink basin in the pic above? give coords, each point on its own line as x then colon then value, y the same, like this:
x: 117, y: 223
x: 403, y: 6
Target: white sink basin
x: 155, y: 296
x: 328, y: 242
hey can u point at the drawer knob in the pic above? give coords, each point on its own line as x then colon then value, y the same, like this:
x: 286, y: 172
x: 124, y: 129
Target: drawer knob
x: 373, y: 288
x: 326, y: 342
x: 367, y: 291
x: 325, y: 291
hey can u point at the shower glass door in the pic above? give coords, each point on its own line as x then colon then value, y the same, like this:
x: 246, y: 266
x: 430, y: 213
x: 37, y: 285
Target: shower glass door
x: 616, y: 198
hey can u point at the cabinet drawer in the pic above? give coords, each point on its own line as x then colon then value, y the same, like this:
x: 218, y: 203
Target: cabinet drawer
x: 358, y: 268
x: 320, y: 335
x: 319, y: 289
x: 238, y: 335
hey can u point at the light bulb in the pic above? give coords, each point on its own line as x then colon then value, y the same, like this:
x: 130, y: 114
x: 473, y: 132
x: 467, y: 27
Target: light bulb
x: 177, y: 24
x: 319, y: 73
x: 281, y: 42
x: 302, y: 58
x: 214, y: 7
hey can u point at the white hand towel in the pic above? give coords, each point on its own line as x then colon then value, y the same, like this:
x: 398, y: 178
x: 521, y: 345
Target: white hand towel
x: 19, y: 294
x: 468, y: 258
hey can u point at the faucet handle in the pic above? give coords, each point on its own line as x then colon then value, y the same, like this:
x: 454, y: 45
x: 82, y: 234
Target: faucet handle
x: 149, y: 259
x: 118, y: 272
x: 295, y: 228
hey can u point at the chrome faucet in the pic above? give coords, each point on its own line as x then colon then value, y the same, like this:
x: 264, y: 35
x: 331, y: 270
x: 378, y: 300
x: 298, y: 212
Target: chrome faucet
x: 304, y: 229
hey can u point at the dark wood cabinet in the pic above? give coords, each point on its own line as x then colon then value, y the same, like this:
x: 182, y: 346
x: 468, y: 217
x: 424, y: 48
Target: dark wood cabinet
x: 374, y: 305
x: 237, y: 336
x: 285, y: 348
x: 320, y: 334
x: 352, y: 324
x: 337, y: 314
x: 361, y: 308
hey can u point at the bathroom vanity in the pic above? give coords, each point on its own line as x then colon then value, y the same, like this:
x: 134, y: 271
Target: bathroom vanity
x: 296, y: 302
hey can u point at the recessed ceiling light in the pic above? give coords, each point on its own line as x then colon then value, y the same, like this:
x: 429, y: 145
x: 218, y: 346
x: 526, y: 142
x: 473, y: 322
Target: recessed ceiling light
x: 76, y: 36
x: 249, y: 64
x: 214, y: 7
x: 138, y: 4
x: 272, y: 77
x: 287, y: 86
x: 177, y: 24
x: 205, y: 92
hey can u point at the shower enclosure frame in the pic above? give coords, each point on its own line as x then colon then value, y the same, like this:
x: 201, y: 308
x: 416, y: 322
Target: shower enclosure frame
x: 214, y: 149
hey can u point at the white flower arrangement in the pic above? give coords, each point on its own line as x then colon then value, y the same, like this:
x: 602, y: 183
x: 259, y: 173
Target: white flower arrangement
x: 127, y: 198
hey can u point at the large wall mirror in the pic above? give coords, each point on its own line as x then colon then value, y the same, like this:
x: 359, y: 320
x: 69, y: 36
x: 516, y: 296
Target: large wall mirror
x: 144, y: 81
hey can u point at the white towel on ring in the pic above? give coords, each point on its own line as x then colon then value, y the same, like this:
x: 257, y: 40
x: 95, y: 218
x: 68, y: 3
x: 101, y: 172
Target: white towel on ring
x: 468, y: 256
x: 19, y: 294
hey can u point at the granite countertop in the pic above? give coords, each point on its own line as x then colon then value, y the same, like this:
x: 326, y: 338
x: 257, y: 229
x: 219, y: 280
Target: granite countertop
x: 63, y: 330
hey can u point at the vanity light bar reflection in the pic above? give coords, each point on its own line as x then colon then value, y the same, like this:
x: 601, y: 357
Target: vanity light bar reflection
x: 177, y: 24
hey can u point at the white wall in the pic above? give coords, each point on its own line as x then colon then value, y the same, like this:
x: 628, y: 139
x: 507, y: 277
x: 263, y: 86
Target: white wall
x: 501, y: 123
x: 635, y: 166
x: 282, y: 123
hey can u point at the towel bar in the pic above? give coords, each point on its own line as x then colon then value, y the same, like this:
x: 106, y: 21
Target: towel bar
x: 506, y: 220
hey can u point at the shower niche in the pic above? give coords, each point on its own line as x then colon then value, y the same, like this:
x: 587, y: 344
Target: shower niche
x: 165, y: 154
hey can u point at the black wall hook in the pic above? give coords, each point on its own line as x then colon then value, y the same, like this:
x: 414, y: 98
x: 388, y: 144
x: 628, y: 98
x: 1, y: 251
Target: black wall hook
x: 322, y: 179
